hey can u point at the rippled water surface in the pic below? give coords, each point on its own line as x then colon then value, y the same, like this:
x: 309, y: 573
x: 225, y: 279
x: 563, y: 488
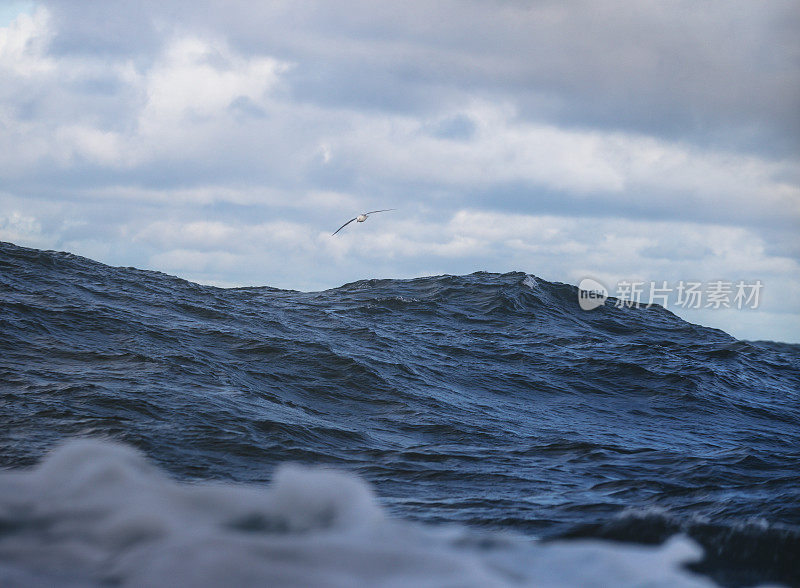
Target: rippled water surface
x: 489, y: 400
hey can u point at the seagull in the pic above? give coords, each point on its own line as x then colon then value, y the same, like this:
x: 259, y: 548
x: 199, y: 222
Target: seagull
x: 362, y: 217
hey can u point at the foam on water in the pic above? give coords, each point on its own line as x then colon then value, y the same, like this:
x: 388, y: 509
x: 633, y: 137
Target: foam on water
x: 96, y: 512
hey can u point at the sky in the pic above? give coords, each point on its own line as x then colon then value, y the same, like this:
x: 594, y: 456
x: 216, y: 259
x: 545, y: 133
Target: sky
x: 224, y: 142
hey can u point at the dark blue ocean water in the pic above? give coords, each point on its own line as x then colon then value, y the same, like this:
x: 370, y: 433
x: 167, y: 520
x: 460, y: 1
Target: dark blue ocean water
x: 487, y: 400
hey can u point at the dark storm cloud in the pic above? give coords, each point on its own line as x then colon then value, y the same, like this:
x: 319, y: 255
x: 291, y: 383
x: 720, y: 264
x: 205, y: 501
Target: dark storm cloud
x: 721, y: 74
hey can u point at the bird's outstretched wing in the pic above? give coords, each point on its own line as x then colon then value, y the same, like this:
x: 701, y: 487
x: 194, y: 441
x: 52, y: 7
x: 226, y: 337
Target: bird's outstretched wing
x: 384, y: 210
x: 344, y: 225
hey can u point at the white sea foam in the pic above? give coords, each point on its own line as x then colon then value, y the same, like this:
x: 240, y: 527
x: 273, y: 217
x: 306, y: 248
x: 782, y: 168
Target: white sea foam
x: 97, y: 512
x: 530, y: 282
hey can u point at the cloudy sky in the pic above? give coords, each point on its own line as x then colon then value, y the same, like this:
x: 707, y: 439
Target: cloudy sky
x: 224, y: 141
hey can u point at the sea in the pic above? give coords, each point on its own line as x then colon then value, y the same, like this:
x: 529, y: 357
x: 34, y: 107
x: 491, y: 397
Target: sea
x: 476, y: 430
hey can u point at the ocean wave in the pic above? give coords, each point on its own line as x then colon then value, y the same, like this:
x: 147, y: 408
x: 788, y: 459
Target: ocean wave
x: 487, y: 400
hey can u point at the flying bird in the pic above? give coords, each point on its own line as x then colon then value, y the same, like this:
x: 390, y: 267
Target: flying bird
x: 362, y: 217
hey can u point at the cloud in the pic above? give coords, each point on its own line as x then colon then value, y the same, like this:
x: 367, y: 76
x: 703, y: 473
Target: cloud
x: 716, y: 73
x: 628, y: 174
x: 224, y: 142
x: 199, y: 111
x: 195, y: 80
x: 21, y: 229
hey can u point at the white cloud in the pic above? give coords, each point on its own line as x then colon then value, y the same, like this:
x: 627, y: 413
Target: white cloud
x: 23, y: 44
x: 21, y: 229
x: 86, y: 143
x: 619, y: 169
x: 196, y: 80
x: 177, y: 107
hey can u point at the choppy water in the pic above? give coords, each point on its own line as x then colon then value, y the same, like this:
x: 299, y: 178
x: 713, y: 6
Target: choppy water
x: 535, y: 431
